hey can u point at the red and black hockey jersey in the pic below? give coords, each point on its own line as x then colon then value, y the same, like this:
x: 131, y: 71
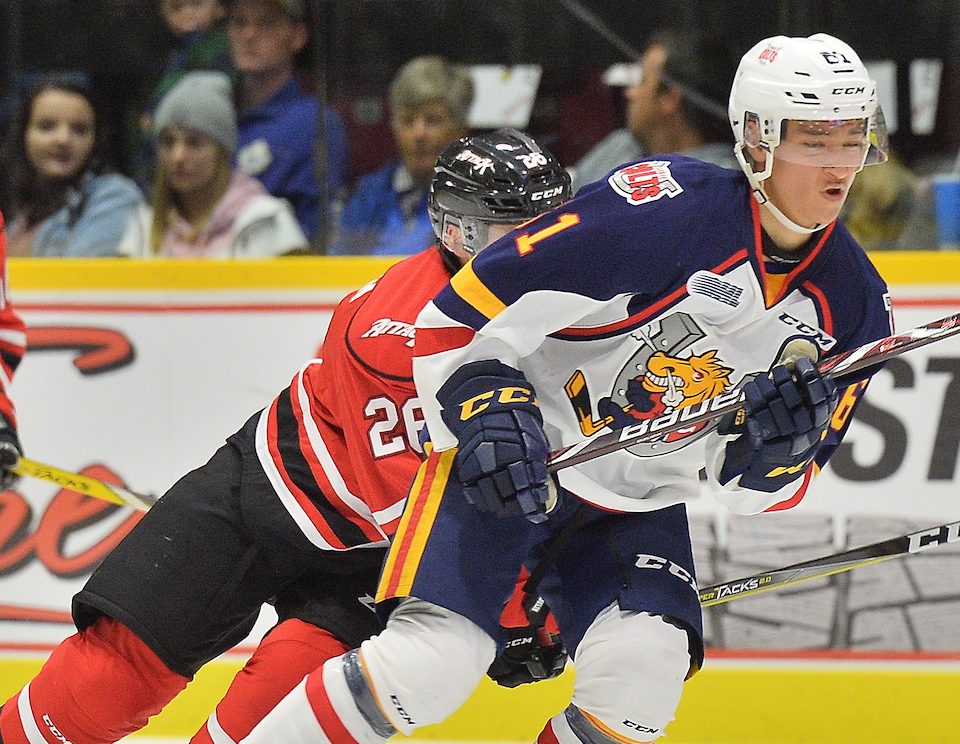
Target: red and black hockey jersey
x: 340, y: 445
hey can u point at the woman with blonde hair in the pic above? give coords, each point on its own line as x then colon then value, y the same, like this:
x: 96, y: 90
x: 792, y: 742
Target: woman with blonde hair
x: 202, y: 207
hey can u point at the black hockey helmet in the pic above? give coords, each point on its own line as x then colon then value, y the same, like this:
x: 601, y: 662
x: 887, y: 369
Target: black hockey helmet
x: 503, y: 177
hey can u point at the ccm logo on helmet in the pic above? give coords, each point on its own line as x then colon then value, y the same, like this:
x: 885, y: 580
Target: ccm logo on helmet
x: 540, y: 195
x: 847, y: 91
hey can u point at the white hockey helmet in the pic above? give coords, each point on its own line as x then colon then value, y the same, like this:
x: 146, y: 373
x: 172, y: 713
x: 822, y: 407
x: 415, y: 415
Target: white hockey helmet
x: 818, y: 79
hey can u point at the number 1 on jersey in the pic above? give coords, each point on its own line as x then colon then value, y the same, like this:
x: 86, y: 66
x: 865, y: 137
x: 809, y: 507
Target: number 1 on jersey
x: 526, y: 241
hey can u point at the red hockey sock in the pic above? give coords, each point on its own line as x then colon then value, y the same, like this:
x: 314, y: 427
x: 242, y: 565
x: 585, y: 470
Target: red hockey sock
x: 98, y: 686
x: 284, y: 657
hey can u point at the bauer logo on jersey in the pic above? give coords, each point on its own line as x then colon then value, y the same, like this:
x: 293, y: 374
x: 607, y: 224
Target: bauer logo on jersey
x: 645, y: 182
x: 389, y: 327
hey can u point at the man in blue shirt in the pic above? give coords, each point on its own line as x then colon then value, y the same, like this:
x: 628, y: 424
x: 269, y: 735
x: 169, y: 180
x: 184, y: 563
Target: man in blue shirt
x: 278, y: 122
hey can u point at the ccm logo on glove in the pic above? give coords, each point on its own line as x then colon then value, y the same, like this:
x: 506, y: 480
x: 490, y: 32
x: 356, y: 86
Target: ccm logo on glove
x: 504, y: 396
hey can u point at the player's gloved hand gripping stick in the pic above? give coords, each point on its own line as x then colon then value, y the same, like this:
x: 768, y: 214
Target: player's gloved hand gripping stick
x: 836, y: 367
x: 780, y: 426
x: 502, y: 451
x: 533, y: 649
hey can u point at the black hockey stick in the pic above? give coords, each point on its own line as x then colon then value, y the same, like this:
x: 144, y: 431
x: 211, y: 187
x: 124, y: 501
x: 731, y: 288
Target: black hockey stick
x: 828, y: 565
x: 85, y: 484
x: 845, y: 363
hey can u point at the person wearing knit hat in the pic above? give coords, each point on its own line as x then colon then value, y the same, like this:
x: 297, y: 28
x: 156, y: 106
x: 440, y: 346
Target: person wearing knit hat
x: 200, y: 101
x: 202, y: 206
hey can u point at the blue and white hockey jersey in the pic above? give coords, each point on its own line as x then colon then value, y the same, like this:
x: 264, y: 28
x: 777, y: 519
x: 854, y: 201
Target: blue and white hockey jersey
x: 648, y: 293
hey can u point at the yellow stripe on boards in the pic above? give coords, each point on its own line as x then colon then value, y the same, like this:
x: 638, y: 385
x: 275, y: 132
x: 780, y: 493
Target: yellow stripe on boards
x: 475, y: 293
x: 293, y: 272
x: 348, y: 272
x: 918, y: 267
x: 764, y: 704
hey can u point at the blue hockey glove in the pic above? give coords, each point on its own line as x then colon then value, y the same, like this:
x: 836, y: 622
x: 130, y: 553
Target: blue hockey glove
x: 10, y: 451
x: 781, y: 425
x: 502, y: 451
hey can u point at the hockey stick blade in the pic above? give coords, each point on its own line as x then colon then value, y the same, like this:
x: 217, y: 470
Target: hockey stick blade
x: 845, y: 363
x: 84, y: 484
x: 817, y: 568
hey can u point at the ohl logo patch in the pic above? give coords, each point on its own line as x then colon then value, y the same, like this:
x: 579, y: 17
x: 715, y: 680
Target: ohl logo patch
x: 645, y: 182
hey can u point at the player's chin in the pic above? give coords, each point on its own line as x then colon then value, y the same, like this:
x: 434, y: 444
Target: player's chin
x: 827, y: 210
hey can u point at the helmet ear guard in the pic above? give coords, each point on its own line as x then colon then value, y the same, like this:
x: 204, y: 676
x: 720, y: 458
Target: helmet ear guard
x: 461, y: 235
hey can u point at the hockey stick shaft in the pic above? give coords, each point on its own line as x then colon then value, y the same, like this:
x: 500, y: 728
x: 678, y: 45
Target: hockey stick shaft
x: 817, y: 568
x: 84, y: 484
x: 845, y: 363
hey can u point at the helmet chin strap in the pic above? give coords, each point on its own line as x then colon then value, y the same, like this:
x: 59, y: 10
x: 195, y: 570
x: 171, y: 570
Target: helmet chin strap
x: 765, y: 201
x: 761, y: 196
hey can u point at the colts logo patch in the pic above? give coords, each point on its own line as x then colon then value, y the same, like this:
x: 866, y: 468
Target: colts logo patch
x: 645, y: 182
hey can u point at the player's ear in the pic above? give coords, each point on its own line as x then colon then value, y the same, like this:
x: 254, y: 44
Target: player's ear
x: 452, y: 236
x: 300, y: 37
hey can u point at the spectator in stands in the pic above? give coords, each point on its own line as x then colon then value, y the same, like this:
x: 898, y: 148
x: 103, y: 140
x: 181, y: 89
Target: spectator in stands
x: 200, y: 30
x: 677, y: 105
x: 883, y: 204
x: 430, y: 99
x: 279, y: 121
x: 202, y: 206
x: 55, y: 187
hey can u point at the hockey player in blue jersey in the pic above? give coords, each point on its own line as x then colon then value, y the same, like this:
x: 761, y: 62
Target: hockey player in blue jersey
x: 668, y: 283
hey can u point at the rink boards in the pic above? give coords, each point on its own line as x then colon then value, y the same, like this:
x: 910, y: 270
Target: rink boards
x: 139, y: 370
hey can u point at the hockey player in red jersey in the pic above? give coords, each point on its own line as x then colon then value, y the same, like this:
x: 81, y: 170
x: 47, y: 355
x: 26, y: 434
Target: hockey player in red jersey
x: 667, y: 284
x: 13, y: 341
x: 297, y: 508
